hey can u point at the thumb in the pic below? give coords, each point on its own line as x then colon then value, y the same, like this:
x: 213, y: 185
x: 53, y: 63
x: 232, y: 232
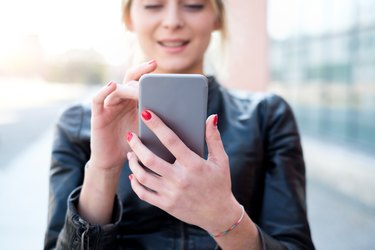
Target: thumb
x: 123, y: 92
x: 215, y: 146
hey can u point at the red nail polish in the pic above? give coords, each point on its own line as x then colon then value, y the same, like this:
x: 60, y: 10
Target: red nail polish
x: 215, y: 120
x: 129, y: 136
x: 131, y: 177
x: 146, y: 115
x: 151, y: 61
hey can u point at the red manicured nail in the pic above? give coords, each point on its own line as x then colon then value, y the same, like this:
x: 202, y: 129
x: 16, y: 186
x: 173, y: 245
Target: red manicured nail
x: 131, y: 177
x: 109, y: 84
x: 215, y: 120
x: 146, y: 115
x: 129, y: 136
x: 151, y: 61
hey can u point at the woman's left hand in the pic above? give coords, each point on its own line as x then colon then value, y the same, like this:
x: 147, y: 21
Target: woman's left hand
x: 192, y: 189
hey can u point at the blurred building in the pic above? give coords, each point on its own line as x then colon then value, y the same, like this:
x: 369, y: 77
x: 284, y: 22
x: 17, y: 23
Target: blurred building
x: 328, y: 74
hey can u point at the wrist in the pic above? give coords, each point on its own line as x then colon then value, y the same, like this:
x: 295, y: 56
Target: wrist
x: 104, y: 169
x: 100, y: 180
x: 232, y: 227
x: 227, y: 217
x: 98, y: 193
x: 105, y: 166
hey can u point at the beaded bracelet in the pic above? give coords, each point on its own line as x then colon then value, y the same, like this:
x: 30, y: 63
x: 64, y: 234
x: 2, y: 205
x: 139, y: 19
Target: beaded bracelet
x: 231, y: 227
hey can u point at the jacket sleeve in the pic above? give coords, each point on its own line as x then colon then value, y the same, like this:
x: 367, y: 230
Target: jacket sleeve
x: 70, y: 153
x: 79, y: 234
x: 283, y: 221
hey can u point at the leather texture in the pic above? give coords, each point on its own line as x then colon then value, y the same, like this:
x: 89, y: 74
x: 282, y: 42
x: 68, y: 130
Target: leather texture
x: 261, y: 138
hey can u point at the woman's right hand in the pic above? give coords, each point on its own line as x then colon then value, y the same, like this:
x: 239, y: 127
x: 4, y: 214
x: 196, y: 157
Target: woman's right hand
x: 114, y: 113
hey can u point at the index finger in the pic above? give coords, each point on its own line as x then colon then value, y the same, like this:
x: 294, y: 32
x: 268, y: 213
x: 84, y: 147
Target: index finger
x: 136, y: 72
x: 168, y: 137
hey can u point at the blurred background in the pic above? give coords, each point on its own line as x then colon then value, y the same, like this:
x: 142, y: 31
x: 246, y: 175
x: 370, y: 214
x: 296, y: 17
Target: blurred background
x: 318, y: 54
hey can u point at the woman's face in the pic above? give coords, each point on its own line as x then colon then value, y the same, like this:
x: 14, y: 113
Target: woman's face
x: 174, y: 32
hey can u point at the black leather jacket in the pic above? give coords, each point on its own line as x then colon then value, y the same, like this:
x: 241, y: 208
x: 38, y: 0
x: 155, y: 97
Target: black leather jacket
x: 261, y: 139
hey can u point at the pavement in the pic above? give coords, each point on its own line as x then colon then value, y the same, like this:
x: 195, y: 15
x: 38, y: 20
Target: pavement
x: 28, y: 112
x: 24, y: 194
x: 340, y: 194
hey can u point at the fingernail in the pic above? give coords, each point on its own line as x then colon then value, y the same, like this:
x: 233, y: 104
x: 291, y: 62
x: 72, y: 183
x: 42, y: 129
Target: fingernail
x: 215, y: 120
x: 146, y: 115
x: 109, y: 84
x: 151, y: 61
x: 131, y: 177
x: 129, y: 136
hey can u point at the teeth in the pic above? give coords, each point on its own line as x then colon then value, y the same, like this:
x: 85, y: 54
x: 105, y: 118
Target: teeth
x: 173, y: 44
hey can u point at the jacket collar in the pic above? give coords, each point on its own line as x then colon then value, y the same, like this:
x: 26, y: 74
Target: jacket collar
x: 213, y: 104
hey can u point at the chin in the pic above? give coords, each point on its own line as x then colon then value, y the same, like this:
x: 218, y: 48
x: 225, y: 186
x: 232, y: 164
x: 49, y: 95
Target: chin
x: 175, y: 67
x: 172, y: 69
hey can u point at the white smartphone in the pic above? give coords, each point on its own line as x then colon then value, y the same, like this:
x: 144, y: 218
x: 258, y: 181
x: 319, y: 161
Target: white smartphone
x: 180, y: 100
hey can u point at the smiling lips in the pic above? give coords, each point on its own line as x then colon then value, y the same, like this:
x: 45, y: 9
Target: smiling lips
x: 173, y: 46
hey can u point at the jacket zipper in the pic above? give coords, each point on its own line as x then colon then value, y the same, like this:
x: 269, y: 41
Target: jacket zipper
x: 84, y: 234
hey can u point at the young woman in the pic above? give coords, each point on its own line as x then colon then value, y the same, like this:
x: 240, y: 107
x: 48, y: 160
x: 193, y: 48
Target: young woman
x: 248, y: 193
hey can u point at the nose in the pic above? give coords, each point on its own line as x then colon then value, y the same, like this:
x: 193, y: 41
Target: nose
x: 173, y: 18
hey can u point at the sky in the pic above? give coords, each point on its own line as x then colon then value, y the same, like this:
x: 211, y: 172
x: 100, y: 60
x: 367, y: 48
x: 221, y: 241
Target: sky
x: 96, y: 24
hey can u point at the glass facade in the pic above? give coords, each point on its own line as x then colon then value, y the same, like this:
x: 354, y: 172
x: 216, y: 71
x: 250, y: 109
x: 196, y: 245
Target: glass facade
x: 327, y: 72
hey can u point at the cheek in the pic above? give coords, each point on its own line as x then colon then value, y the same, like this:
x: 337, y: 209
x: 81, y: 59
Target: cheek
x: 147, y: 46
x: 204, y: 31
x: 205, y: 37
x: 145, y: 36
x: 144, y: 26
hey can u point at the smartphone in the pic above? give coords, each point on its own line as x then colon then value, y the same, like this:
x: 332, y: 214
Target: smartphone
x: 180, y: 100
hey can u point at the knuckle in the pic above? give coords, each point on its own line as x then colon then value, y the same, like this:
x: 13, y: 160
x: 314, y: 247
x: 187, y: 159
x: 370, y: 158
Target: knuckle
x: 150, y: 160
x: 195, y: 164
x: 142, y: 177
x: 182, y: 183
x: 171, y: 140
x: 215, y: 136
x: 141, y: 195
x: 225, y: 157
x: 169, y: 205
x: 134, y: 144
x: 195, y: 161
x: 95, y: 99
x: 132, y: 83
x: 129, y: 75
